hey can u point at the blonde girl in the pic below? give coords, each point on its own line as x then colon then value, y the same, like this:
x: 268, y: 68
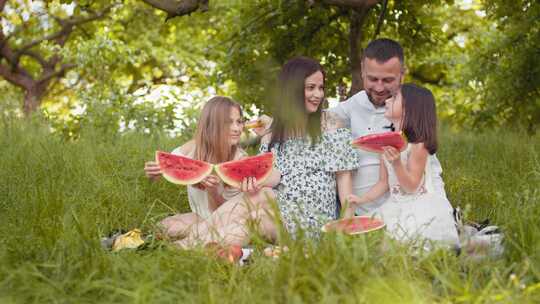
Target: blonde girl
x: 216, y: 140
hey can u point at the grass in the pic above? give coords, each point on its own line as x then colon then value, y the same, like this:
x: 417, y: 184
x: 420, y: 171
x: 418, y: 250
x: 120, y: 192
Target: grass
x: 57, y: 198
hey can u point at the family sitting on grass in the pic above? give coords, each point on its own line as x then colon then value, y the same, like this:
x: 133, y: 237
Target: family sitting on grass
x: 316, y: 170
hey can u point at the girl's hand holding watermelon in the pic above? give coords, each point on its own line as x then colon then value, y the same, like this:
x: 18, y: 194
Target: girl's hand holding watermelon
x: 392, y: 155
x: 152, y: 170
x: 210, y: 183
x: 250, y: 185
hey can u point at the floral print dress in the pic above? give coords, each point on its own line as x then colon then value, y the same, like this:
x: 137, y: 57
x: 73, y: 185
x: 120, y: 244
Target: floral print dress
x: 306, y: 193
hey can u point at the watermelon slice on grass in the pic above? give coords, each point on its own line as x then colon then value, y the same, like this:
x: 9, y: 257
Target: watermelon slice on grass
x: 233, y: 172
x: 182, y: 170
x: 354, y: 225
x: 376, y: 142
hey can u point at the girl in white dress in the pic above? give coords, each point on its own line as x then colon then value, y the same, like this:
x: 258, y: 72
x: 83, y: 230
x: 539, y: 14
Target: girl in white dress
x: 415, y: 210
x: 216, y: 140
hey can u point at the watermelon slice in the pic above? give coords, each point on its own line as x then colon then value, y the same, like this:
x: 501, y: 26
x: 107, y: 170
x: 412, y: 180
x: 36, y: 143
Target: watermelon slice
x: 233, y: 172
x: 182, y: 170
x: 354, y: 225
x: 376, y: 142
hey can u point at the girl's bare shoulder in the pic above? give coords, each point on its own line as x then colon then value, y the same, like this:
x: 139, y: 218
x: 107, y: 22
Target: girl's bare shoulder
x: 418, y: 152
x: 418, y: 148
x: 188, y: 147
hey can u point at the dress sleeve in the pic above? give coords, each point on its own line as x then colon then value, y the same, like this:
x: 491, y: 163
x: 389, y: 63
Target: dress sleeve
x: 342, y: 111
x: 337, y: 152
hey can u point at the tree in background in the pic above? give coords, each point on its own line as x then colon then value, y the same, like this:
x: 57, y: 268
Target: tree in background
x: 504, y: 69
x: 32, y: 38
x: 89, y: 63
x: 270, y: 32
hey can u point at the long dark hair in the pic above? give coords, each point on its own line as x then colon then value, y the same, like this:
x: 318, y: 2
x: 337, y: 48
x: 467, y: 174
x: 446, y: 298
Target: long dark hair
x: 420, y: 116
x: 290, y: 116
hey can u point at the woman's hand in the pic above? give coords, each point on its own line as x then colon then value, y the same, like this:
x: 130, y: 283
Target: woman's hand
x: 249, y: 185
x: 266, y: 121
x: 209, y: 183
x: 392, y: 155
x: 152, y: 170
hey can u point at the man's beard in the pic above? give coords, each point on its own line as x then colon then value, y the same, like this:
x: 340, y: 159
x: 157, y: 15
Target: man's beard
x: 372, y: 100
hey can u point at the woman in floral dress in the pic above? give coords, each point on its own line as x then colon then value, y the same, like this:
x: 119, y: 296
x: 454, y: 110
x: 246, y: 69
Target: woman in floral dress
x: 313, y: 158
x: 311, y: 149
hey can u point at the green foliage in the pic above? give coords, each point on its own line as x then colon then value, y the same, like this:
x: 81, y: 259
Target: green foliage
x: 480, y: 58
x: 271, y: 32
x: 505, y: 68
x: 57, y: 198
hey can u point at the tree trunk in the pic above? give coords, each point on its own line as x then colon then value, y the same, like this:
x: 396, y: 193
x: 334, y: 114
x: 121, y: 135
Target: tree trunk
x: 356, y: 36
x: 32, y: 98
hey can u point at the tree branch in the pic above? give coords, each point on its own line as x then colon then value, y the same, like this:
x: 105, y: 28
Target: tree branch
x: 354, y: 4
x: 2, y: 4
x: 175, y: 8
x: 381, y: 19
x: 36, y: 57
x: 20, y: 78
x: 67, y: 26
x: 48, y: 75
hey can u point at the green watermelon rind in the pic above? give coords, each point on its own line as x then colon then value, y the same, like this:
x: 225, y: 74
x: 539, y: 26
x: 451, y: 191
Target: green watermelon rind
x: 186, y: 182
x: 221, y: 172
x: 358, y: 142
x: 325, y: 228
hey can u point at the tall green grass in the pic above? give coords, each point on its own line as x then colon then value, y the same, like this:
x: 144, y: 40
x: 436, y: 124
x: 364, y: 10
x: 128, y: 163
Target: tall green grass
x: 57, y: 198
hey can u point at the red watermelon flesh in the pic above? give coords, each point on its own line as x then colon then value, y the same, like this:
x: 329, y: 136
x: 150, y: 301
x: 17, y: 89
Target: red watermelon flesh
x: 233, y: 172
x: 354, y: 225
x: 182, y: 170
x: 376, y: 142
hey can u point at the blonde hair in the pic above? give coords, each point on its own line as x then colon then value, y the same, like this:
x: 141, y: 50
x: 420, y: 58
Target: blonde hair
x: 212, y: 143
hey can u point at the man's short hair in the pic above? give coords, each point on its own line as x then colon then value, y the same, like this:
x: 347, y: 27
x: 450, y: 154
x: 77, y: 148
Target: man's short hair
x: 384, y: 49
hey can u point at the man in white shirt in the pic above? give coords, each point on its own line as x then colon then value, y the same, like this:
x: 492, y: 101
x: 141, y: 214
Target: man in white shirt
x: 383, y: 69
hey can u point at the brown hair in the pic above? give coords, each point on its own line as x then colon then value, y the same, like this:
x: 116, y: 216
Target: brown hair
x: 420, y: 116
x: 290, y: 116
x: 384, y: 49
x: 212, y: 136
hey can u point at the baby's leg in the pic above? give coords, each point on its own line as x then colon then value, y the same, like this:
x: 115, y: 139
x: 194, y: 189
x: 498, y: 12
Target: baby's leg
x: 178, y: 226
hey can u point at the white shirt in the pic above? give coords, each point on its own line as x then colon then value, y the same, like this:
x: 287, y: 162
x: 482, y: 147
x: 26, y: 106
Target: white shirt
x: 363, y: 118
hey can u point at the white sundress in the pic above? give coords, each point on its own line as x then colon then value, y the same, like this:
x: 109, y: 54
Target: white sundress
x: 424, y: 214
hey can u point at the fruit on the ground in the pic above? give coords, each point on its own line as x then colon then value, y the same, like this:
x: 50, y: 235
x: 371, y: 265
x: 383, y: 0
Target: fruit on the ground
x: 182, y: 170
x: 233, y: 172
x: 354, y: 225
x: 376, y: 142
x: 228, y: 253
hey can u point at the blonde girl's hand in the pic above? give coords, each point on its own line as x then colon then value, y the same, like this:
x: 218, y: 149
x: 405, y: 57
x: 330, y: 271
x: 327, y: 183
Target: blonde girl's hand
x: 152, y: 170
x: 249, y: 185
x: 211, y: 182
x: 392, y: 155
